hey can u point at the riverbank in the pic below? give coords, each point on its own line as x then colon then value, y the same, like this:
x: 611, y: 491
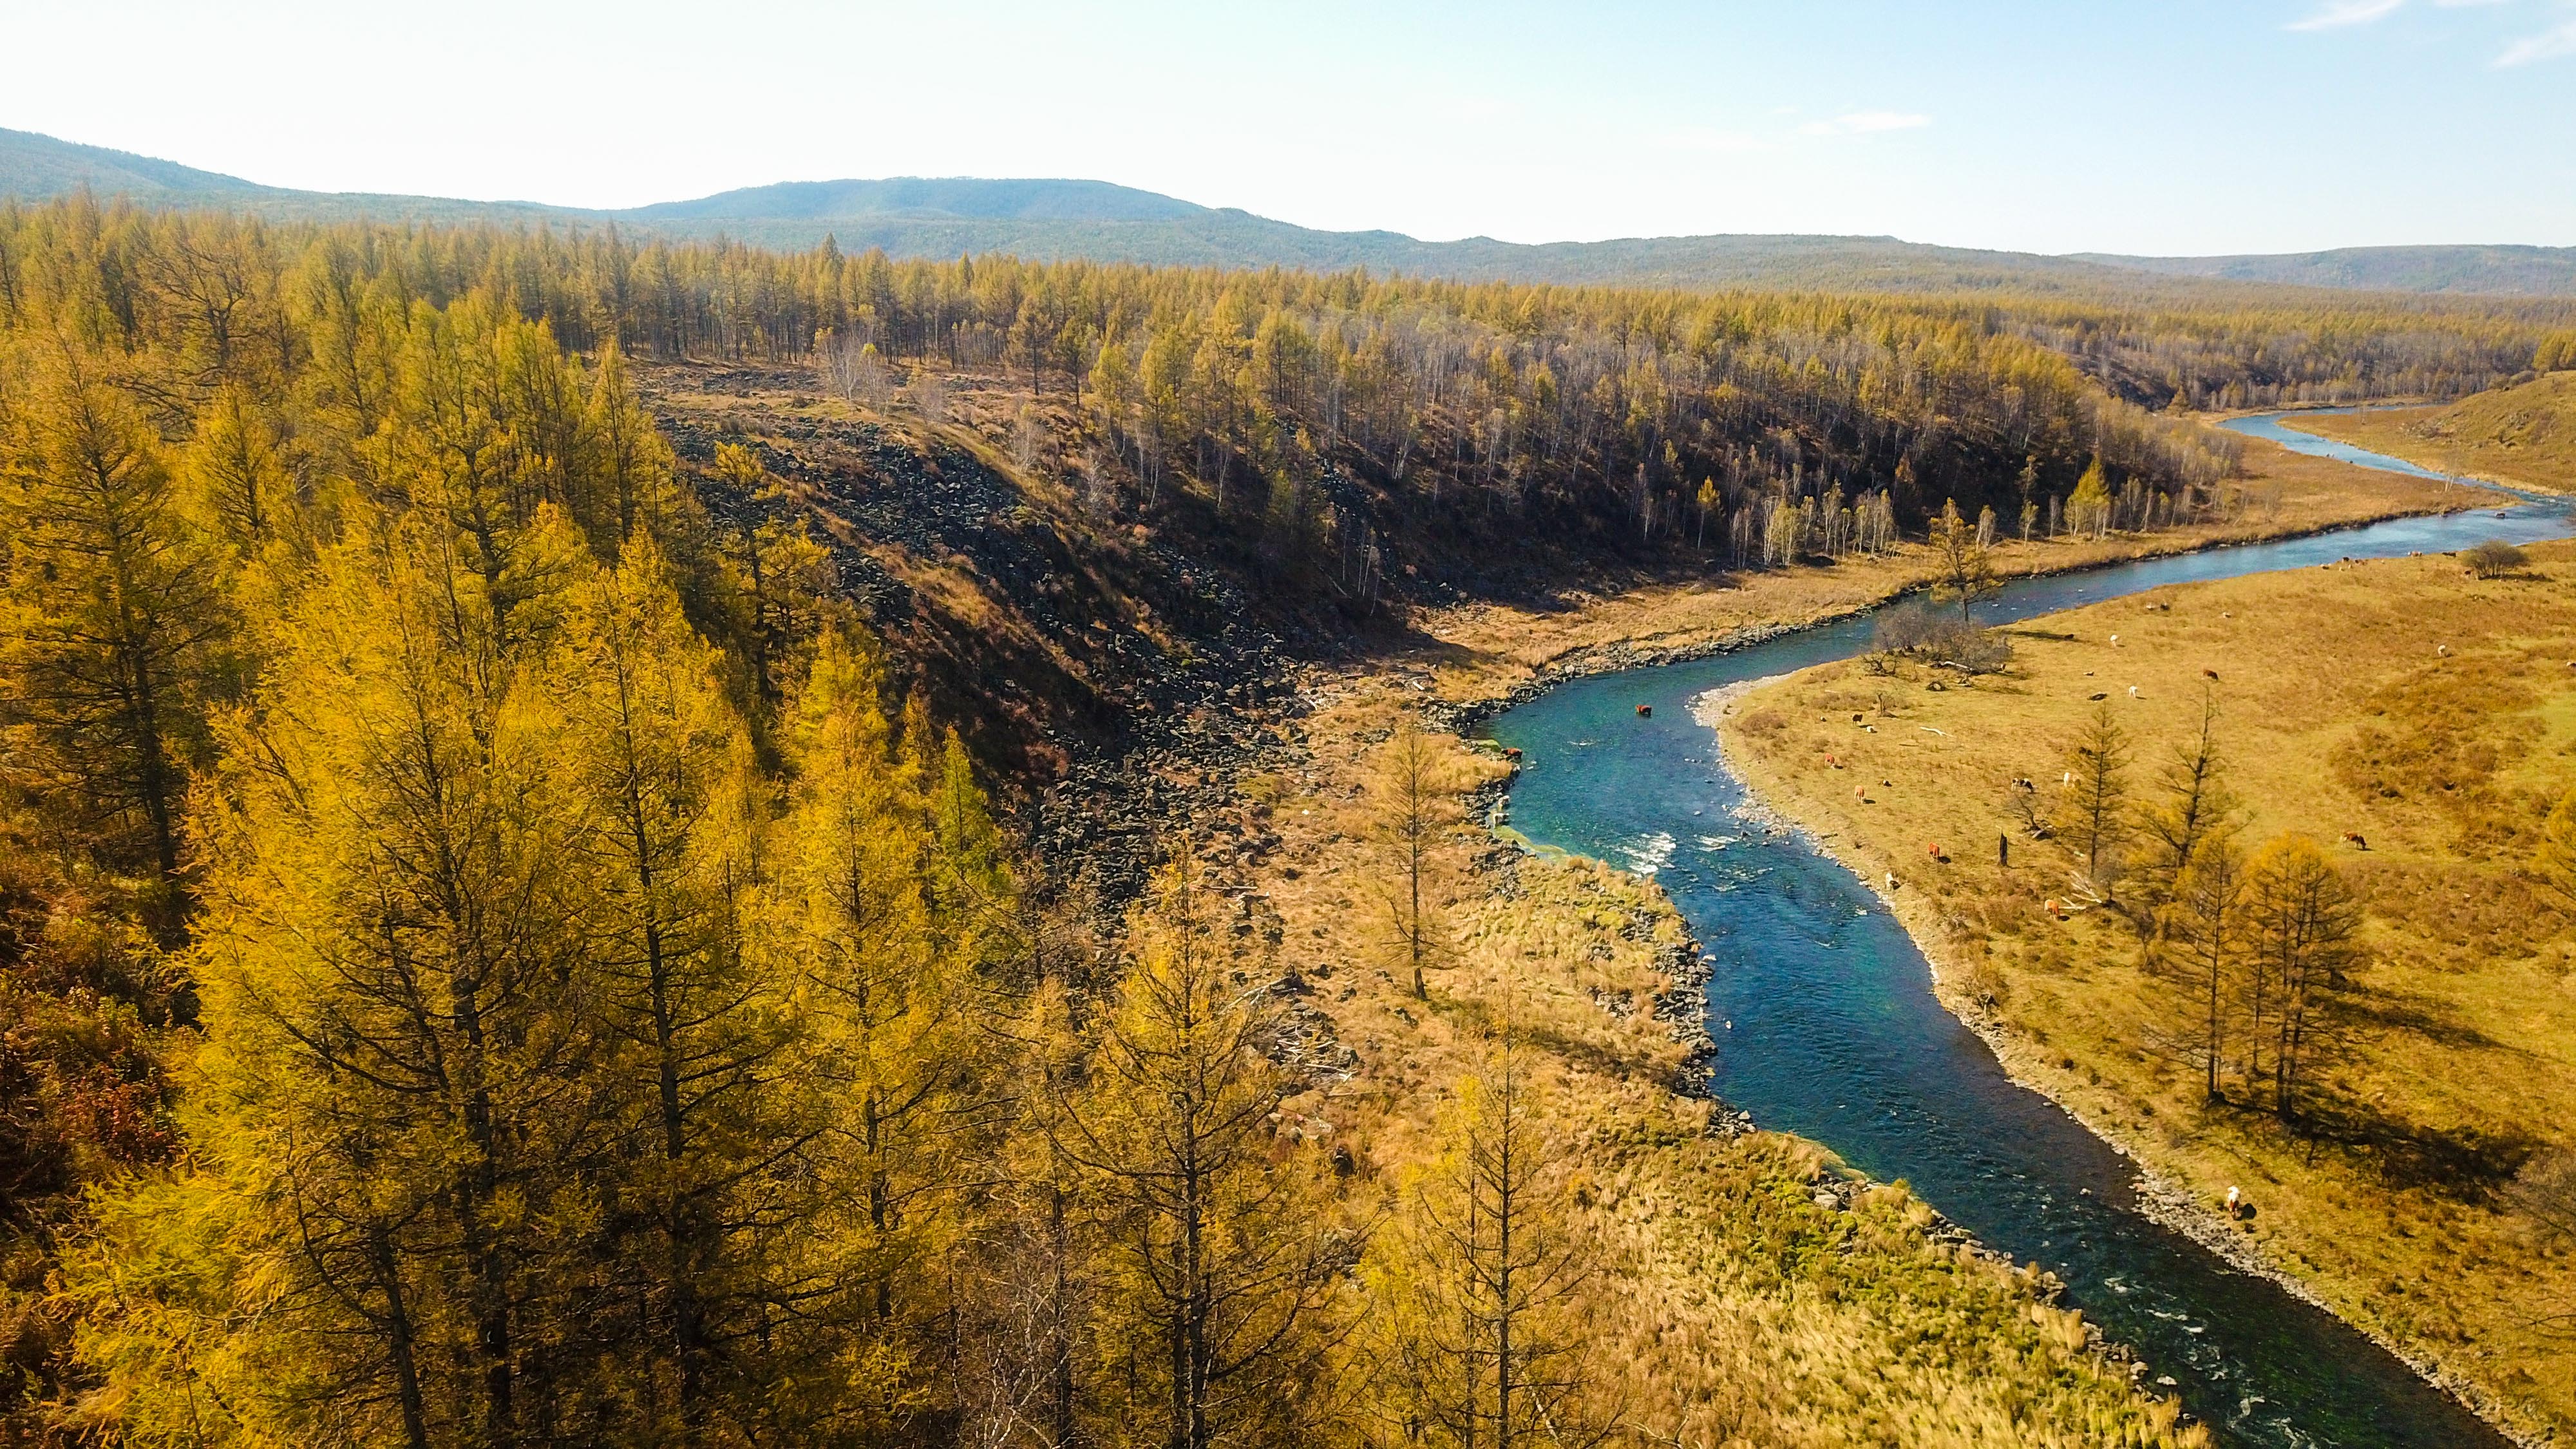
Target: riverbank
x: 2392, y: 1203
x: 2160, y: 1199
x: 1487, y: 656
x: 1751, y: 1287
x: 1608, y: 980
x: 2521, y: 437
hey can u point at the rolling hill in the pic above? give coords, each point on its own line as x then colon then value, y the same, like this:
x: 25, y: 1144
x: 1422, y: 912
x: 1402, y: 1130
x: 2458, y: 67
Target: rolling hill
x: 2515, y: 270
x: 1046, y: 219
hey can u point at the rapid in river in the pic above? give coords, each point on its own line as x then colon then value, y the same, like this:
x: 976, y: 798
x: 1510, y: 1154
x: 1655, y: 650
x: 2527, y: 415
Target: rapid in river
x: 1826, y: 1023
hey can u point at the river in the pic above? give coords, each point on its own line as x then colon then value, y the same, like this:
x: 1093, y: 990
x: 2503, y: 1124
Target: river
x: 1827, y: 1026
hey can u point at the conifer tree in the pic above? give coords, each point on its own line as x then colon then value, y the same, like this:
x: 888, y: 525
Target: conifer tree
x: 399, y: 986
x: 1481, y: 1282
x: 109, y: 613
x: 2195, y: 806
x: 1412, y: 803
x: 712, y: 1102
x: 2304, y: 921
x: 2209, y: 919
x: 2091, y: 811
x: 1227, y: 1266
x: 893, y: 1008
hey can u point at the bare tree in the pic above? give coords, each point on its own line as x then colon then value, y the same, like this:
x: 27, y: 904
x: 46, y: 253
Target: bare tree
x: 1962, y: 554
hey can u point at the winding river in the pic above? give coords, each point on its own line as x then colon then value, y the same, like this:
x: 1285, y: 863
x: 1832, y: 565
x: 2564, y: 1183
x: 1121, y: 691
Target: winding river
x: 1827, y: 1026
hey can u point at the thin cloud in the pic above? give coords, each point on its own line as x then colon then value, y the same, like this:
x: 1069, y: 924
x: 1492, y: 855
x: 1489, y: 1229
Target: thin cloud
x: 1863, y: 123
x: 1703, y: 138
x: 2547, y: 45
x: 2339, y: 13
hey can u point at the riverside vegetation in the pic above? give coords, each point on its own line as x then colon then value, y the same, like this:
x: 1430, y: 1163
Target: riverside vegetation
x: 2285, y: 909
x: 500, y: 950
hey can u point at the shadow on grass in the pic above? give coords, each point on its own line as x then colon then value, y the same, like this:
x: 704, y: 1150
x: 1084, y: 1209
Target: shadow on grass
x: 2464, y: 1163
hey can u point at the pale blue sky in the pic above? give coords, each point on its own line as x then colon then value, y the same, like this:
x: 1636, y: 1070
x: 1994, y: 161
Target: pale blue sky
x: 2192, y: 126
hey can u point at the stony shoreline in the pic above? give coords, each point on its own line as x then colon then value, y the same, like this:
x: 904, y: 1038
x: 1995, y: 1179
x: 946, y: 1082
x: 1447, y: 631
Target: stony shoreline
x: 2159, y: 1199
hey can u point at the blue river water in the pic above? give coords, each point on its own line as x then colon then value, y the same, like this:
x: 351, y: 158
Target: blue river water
x: 1826, y: 1023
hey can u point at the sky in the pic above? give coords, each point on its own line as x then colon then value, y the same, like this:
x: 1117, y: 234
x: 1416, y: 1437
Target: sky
x: 2179, y: 127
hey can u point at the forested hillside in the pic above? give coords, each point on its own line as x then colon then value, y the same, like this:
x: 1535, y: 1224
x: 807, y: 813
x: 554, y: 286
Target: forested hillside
x: 1068, y: 220
x: 497, y: 951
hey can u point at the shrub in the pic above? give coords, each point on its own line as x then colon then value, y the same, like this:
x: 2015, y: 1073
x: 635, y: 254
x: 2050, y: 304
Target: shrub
x: 2494, y: 559
x: 1938, y: 636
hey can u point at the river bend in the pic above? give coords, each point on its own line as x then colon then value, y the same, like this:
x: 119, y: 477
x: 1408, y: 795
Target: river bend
x: 1827, y: 1026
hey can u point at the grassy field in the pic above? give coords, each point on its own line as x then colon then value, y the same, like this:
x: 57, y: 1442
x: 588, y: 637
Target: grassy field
x: 2428, y: 713
x: 2525, y: 436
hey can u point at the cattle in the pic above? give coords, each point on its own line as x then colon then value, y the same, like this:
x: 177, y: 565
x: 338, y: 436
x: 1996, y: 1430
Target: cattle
x: 1645, y: 711
x: 2212, y: 673
x: 2353, y: 839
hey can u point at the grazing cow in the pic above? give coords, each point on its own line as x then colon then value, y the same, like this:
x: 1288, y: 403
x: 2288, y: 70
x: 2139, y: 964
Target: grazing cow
x: 1861, y: 793
x: 1936, y: 851
x: 1891, y: 880
x: 2212, y: 673
x: 2442, y: 651
x: 2353, y: 839
x: 1512, y: 752
x: 2133, y: 691
x: 2025, y: 785
x: 1645, y: 711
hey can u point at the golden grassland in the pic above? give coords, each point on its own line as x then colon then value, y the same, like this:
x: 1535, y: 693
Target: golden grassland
x: 2341, y: 713
x: 1741, y: 1307
x: 1491, y: 648
x: 2524, y: 435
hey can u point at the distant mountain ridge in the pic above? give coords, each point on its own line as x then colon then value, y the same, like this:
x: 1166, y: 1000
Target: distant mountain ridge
x: 1101, y: 221
x: 2513, y: 270
x: 944, y: 198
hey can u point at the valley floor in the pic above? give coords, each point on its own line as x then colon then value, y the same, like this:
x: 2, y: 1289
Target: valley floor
x: 2417, y: 721
x: 1752, y: 1292
x: 1752, y: 1338
x: 2524, y: 437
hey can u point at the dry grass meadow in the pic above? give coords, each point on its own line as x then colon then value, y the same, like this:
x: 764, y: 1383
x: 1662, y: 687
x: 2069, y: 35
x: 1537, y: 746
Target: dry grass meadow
x: 2430, y: 714
x: 2524, y: 436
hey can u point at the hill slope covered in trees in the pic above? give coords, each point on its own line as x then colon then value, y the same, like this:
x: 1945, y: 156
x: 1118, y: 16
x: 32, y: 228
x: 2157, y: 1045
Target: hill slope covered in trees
x: 1097, y: 221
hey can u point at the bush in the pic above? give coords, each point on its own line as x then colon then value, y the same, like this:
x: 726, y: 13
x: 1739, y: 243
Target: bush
x: 1938, y: 636
x: 2494, y: 559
